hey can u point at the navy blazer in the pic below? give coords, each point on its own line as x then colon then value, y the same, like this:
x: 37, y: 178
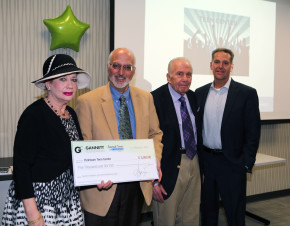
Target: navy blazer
x: 171, y: 154
x: 241, y: 125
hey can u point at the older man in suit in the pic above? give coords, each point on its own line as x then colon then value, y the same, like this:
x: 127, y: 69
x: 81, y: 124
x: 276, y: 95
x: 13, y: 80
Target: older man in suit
x: 177, y: 196
x: 231, y: 132
x: 101, y: 113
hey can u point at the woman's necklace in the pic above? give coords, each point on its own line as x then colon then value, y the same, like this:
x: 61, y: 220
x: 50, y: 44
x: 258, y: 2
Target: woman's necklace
x: 51, y: 106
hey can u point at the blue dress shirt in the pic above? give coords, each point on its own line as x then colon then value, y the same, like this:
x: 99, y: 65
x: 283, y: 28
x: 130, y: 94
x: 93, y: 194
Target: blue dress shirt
x: 116, y: 95
x: 213, y: 115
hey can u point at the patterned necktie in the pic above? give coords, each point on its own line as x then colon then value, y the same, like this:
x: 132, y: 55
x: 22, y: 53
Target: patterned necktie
x: 188, y: 133
x: 124, y: 120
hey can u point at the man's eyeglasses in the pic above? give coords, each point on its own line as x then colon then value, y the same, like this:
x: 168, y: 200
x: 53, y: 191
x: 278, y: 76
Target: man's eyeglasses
x: 117, y: 66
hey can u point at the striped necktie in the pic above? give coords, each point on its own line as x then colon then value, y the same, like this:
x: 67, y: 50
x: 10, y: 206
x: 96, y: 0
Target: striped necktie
x: 188, y: 133
x: 124, y: 120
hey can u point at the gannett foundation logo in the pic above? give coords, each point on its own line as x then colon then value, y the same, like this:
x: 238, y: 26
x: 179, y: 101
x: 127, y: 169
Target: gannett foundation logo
x: 78, y: 149
x: 93, y: 149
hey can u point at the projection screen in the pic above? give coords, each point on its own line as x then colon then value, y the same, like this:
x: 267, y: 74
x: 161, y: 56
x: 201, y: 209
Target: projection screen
x: 258, y: 32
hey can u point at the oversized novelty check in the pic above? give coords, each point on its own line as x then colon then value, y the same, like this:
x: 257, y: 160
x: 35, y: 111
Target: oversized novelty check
x: 115, y: 160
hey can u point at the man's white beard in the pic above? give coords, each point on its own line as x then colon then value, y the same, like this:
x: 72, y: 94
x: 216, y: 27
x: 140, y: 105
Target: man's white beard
x: 122, y: 85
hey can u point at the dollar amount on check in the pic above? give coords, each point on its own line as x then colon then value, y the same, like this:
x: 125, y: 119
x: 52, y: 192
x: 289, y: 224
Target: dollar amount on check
x: 115, y: 160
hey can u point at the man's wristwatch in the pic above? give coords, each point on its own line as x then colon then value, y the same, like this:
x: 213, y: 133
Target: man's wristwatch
x: 155, y: 182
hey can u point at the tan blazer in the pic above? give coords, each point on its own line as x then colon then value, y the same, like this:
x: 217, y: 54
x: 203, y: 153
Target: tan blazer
x: 96, y: 115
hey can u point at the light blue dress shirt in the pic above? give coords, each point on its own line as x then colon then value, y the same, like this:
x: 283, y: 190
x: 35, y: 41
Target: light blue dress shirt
x: 213, y: 116
x: 175, y: 97
x: 116, y: 95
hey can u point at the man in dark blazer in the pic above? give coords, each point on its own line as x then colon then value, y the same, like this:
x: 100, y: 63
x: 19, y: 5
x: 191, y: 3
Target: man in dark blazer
x: 231, y: 132
x: 177, y: 196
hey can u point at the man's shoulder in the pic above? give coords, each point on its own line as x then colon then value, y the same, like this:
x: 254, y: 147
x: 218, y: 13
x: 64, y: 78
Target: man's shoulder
x: 160, y: 90
x: 136, y: 90
x: 203, y: 88
x: 190, y: 93
x: 242, y: 88
x: 93, y: 93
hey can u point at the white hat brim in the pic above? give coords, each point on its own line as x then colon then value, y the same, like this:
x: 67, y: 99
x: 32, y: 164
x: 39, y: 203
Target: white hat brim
x: 83, y: 79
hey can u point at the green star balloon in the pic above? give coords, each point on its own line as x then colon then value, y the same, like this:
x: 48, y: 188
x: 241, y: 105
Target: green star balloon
x: 66, y: 30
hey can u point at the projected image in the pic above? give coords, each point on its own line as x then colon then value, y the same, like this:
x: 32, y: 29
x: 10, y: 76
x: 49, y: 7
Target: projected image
x: 205, y: 31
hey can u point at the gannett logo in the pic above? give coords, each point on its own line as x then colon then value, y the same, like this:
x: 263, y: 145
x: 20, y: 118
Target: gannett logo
x: 78, y: 149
